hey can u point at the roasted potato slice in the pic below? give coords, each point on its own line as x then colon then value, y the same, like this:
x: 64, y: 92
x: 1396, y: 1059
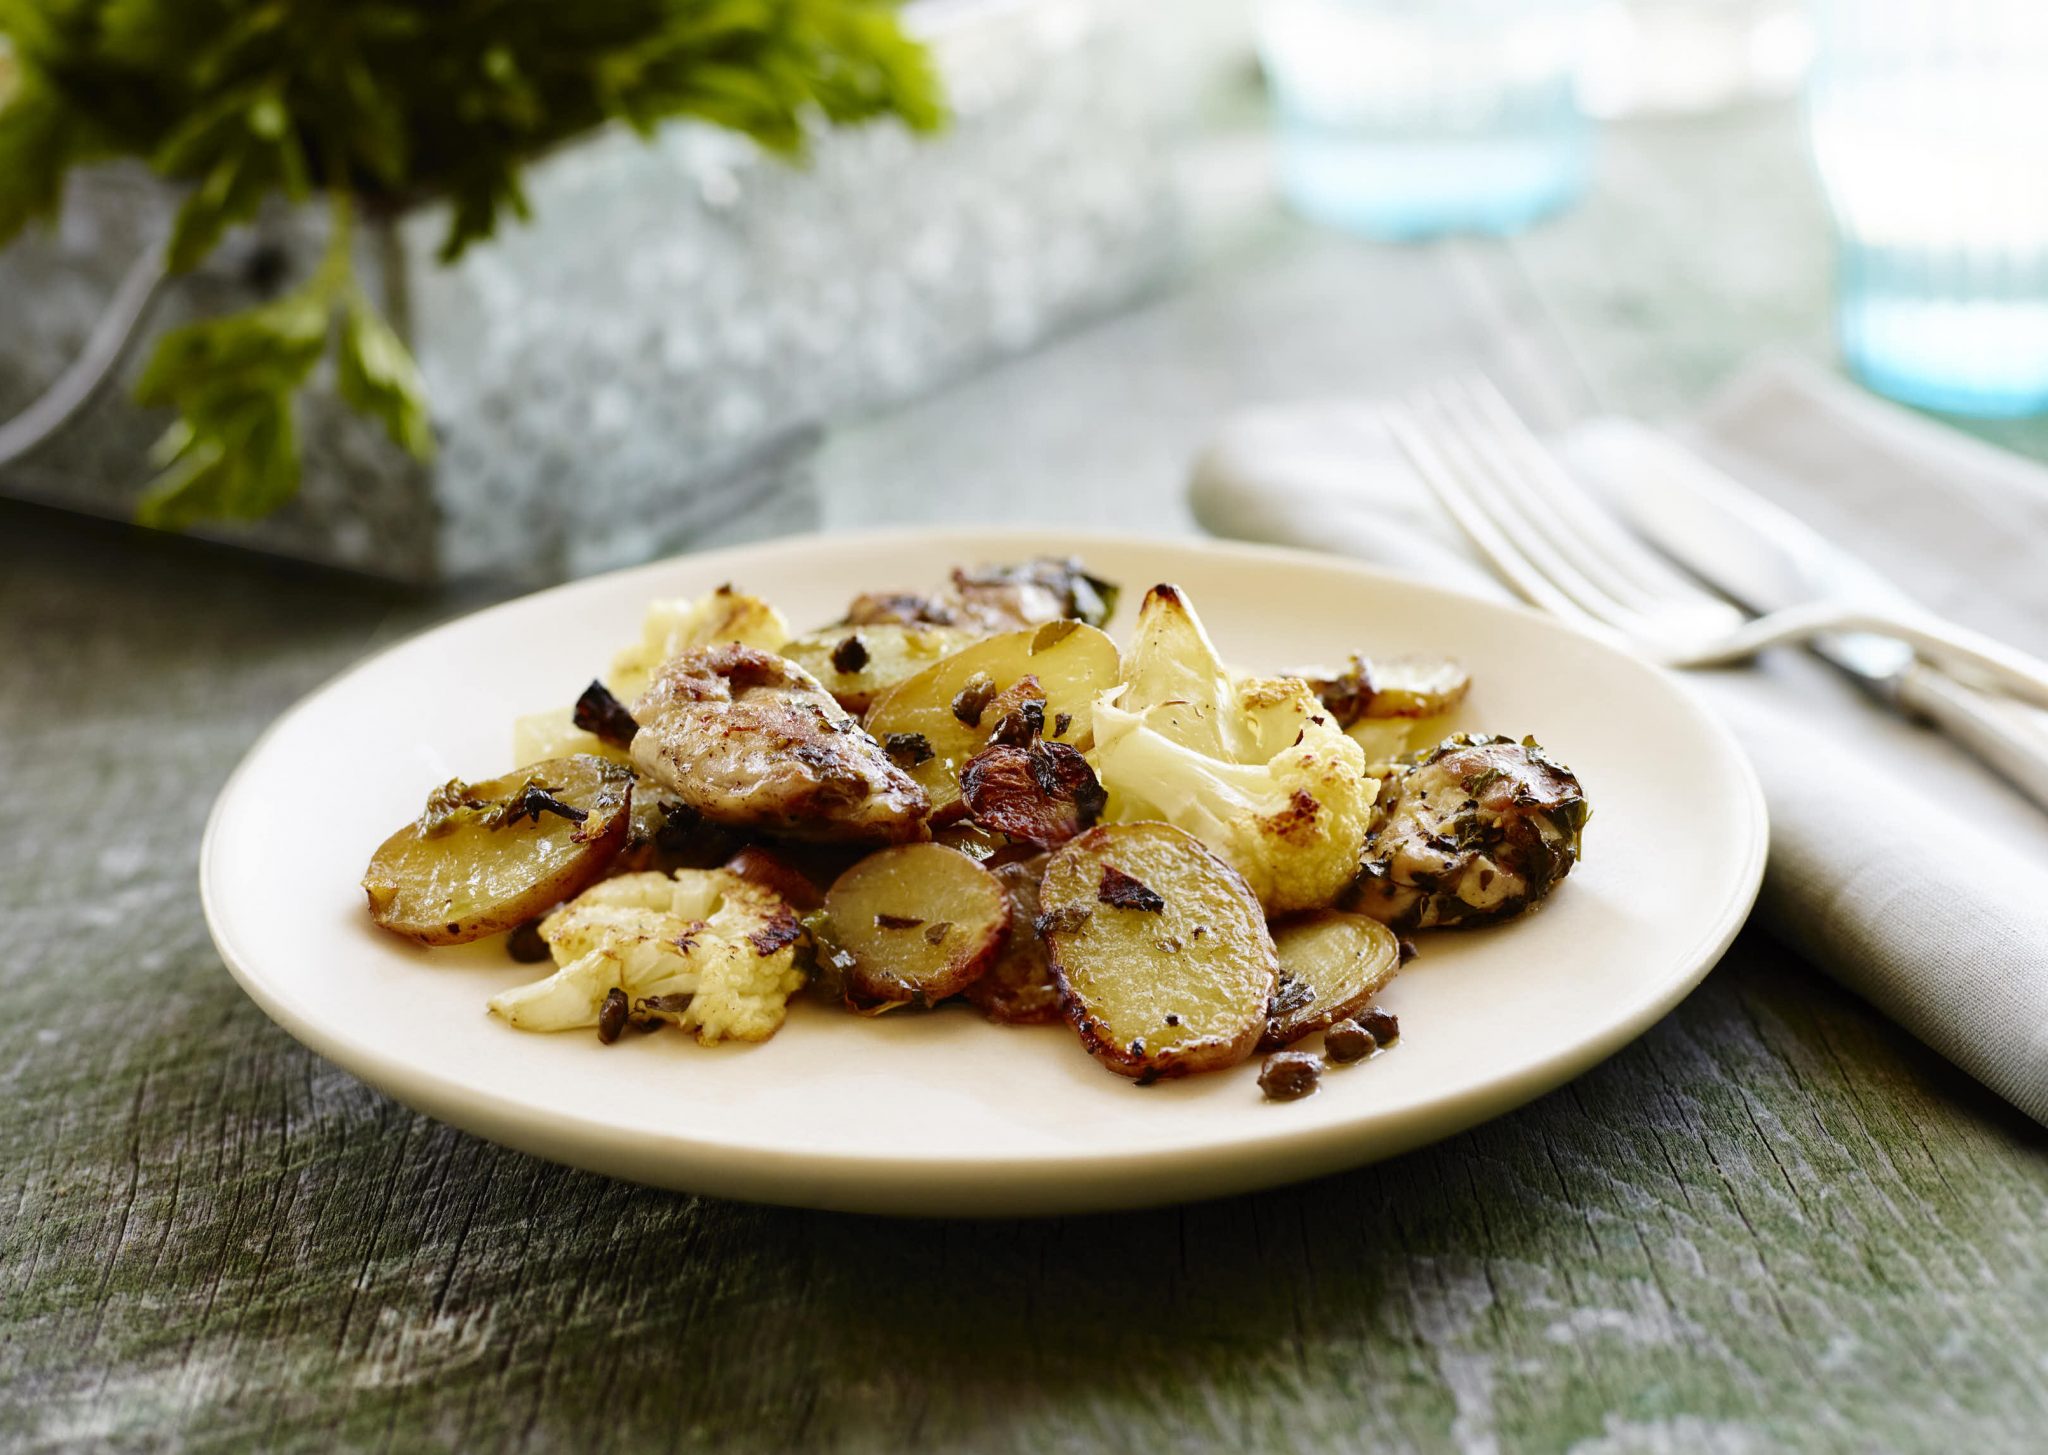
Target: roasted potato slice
x: 484, y: 857
x: 1389, y: 687
x: 1331, y: 966
x: 948, y: 710
x: 1159, y: 948
x: 1019, y: 989
x: 915, y: 923
x: 857, y: 664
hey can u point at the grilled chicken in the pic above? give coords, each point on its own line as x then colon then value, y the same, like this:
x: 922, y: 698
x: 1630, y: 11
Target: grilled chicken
x: 751, y: 740
x: 1477, y: 831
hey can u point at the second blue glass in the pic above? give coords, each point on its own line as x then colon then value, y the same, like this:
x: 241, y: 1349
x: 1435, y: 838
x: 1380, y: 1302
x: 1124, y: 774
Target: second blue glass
x: 1409, y: 118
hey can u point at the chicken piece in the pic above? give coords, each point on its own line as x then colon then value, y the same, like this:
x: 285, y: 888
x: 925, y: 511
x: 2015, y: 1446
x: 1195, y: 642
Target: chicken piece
x: 1477, y: 831
x: 751, y: 740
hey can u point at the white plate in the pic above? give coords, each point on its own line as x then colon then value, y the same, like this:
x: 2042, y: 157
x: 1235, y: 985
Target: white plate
x: 942, y: 1112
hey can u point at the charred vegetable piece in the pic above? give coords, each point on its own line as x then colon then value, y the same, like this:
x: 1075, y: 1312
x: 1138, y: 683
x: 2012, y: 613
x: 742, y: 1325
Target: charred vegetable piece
x: 1049, y: 588
x: 1478, y: 831
x: 1041, y: 794
x: 1331, y: 966
x: 996, y: 598
x: 1388, y: 687
x: 750, y: 740
x: 668, y: 834
x: 856, y: 664
x: 899, y: 608
x: 918, y: 922
x: 1018, y: 989
x: 603, y: 716
x: 776, y: 874
x: 485, y: 857
x: 1156, y: 991
x: 1072, y: 663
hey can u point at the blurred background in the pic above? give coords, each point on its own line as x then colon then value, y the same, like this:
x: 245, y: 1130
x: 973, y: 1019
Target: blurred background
x: 712, y: 281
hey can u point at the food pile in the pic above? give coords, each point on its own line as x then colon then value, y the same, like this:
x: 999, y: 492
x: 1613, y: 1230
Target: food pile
x: 974, y: 793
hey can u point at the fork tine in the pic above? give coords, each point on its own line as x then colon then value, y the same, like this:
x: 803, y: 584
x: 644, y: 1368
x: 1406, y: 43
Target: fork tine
x: 1435, y: 453
x: 1577, y: 526
x: 1497, y: 480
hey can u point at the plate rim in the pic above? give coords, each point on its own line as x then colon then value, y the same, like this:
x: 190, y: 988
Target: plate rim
x: 840, y: 1180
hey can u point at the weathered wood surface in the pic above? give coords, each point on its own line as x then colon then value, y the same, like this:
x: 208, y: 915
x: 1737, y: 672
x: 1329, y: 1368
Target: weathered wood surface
x: 1774, y: 1222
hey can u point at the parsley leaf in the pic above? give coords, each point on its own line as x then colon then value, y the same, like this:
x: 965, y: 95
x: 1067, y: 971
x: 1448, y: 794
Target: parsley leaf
x: 387, y: 103
x: 377, y: 376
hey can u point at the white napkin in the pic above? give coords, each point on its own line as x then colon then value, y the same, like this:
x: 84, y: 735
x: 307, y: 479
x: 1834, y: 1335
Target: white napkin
x: 1897, y: 863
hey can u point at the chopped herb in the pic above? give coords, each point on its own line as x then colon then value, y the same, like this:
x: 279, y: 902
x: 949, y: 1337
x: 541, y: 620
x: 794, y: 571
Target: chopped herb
x: 1125, y: 892
x: 1021, y: 727
x: 1061, y: 721
x: 973, y: 699
x: 907, y: 750
x: 447, y: 806
x: 1064, y: 920
x: 1479, y: 782
x: 936, y: 932
x: 897, y: 922
x: 598, y: 712
x: 1289, y: 996
x: 850, y: 655
x: 1172, y: 1019
x: 535, y: 799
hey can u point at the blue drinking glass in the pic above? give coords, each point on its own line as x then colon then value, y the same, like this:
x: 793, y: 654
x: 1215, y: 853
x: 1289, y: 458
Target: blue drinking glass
x: 1929, y: 126
x: 1410, y: 118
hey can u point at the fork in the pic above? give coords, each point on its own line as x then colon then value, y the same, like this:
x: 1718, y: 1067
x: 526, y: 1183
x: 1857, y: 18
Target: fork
x: 1563, y: 550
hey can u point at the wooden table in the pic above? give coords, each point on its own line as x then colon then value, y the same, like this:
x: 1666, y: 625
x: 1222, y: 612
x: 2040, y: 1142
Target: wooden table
x: 1774, y: 1222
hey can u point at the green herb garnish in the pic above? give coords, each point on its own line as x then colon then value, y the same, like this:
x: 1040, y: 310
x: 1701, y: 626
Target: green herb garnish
x: 380, y: 104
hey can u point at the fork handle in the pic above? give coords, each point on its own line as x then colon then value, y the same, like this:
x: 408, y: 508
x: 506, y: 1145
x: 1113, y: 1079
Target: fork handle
x: 2008, y: 736
x: 1969, y: 655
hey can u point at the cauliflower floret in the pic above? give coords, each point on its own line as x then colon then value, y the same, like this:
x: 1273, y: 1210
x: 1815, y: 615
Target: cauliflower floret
x: 1253, y: 767
x: 672, y: 625
x: 704, y: 949
x: 677, y: 625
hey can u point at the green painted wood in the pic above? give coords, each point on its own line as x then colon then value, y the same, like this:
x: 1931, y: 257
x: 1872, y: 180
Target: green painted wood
x: 1773, y: 1223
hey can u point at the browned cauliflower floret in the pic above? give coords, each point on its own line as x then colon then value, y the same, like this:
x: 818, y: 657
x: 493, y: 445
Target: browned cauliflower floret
x: 703, y: 949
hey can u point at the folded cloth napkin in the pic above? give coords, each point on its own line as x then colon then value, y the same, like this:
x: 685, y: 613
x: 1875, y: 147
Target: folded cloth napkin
x: 1897, y: 863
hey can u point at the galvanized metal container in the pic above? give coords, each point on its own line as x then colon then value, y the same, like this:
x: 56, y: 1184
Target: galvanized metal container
x: 647, y: 363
